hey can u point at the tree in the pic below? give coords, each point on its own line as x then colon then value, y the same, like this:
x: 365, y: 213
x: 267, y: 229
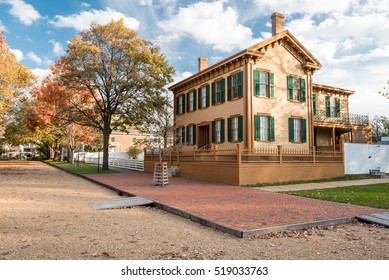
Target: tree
x: 123, y: 74
x: 385, y: 92
x: 380, y: 127
x: 14, y: 80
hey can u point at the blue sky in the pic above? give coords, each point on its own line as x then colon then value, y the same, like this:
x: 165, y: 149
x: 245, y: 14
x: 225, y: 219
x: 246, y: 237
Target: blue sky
x: 349, y: 37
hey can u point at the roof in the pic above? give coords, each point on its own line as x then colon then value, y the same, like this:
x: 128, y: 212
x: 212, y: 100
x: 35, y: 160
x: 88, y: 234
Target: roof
x: 257, y: 51
x: 331, y: 89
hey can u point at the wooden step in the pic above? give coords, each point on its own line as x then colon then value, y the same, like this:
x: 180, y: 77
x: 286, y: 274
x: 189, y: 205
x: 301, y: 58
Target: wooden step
x: 121, y: 203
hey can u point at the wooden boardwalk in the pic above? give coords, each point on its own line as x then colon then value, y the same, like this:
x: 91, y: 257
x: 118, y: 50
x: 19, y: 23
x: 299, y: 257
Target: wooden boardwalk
x: 121, y: 203
x: 377, y: 218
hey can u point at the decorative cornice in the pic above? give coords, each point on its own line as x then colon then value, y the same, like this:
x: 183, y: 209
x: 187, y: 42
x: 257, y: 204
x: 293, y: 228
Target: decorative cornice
x: 331, y: 90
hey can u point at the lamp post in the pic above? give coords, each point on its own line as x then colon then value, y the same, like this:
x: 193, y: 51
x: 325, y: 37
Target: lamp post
x: 98, y: 158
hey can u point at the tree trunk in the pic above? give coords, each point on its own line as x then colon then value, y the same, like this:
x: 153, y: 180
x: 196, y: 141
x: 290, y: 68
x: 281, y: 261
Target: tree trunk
x: 106, y: 134
x: 70, y: 155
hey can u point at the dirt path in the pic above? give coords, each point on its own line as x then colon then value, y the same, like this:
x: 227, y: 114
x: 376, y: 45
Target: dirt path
x: 45, y: 214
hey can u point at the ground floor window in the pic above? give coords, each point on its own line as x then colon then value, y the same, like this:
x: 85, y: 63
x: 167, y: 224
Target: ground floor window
x: 297, y: 130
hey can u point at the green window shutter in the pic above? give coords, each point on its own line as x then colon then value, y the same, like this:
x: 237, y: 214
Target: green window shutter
x: 199, y: 98
x: 257, y: 86
x: 229, y: 94
x: 271, y: 84
x: 177, y: 102
x: 183, y: 135
x: 304, y: 130
x: 187, y: 102
x: 222, y: 130
x: 213, y: 94
x: 303, y: 91
x: 314, y: 103
x: 240, y: 128
x: 328, y: 104
x: 194, y: 134
x: 291, y: 130
x: 194, y: 100
x: 257, y: 127
x: 183, y: 103
x: 213, y: 132
x: 187, y: 135
x: 207, y: 95
x: 337, y: 108
x: 229, y: 129
x: 240, y: 84
x: 272, y: 131
x: 290, y: 87
x: 222, y: 88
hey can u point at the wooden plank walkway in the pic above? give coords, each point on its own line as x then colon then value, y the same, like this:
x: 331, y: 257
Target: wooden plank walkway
x: 377, y: 218
x: 121, y: 203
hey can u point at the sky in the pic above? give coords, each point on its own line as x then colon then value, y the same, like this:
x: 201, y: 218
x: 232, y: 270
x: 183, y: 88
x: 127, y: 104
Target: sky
x: 349, y: 37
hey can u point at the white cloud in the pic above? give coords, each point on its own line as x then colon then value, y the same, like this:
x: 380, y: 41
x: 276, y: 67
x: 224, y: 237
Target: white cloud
x: 85, y: 5
x: 2, y: 27
x: 40, y: 73
x: 18, y: 54
x: 32, y: 56
x: 83, y: 20
x: 145, y: 2
x: 210, y: 24
x: 26, y: 13
x: 57, y: 48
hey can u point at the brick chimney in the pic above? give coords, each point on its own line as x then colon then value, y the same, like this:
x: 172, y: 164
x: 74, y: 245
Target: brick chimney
x: 277, y: 22
x: 203, y: 63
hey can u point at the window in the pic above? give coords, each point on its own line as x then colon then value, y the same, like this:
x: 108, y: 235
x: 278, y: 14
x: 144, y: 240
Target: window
x: 332, y: 107
x: 203, y: 97
x: 264, y: 128
x: 134, y: 140
x: 218, y: 92
x: 263, y: 84
x: 191, y: 134
x: 180, y: 136
x: 112, y: 139
x: 180, y: 104
x: 191, y: 106
x: 218, y: 131
x: 297, y: 130
x: 235, y: 129
x: 296, y: 89
x: 234, y: 85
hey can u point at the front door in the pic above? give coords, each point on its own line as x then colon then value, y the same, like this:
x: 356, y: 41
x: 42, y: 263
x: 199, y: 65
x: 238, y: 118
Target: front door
x: 203, y: 136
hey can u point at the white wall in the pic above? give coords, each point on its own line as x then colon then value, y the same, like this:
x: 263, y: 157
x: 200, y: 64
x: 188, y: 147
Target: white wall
x: 361, y: 158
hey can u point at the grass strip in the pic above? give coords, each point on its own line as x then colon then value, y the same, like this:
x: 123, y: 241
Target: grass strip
x: 79, y: 168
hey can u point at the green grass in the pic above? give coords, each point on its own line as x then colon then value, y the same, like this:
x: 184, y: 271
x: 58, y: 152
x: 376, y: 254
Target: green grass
x: 376, y: 195
x: 344, y: 178
x: 80, y: 168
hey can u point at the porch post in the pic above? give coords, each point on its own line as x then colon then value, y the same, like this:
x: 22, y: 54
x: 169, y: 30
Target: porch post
x: 314, y: 154
x: 279, y: 147
x: 333, y: 139
x: 239, y: 154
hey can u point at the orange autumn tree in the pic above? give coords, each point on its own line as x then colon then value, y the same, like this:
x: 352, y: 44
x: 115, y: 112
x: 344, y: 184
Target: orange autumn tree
x: 50, y: 115
x: 124, y: 75
x: 15, y: 79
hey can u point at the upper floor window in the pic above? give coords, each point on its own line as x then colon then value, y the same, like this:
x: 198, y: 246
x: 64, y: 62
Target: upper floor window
x: 191, y: 106
x: 180, y: 104
x: 203, y: 97
x: 263, y: 84
x: 332, y: 106
x: 297, y: 130
x: 296, y: 89
x: 235, y: 129
x: 235, y: 85
x: 218, y: 94
x: 264, y: 128
x: 218, y: 131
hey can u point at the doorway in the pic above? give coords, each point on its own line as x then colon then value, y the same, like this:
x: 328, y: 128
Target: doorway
x: 204, y: 136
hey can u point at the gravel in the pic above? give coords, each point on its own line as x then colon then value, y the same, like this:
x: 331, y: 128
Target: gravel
x: 46, y: 214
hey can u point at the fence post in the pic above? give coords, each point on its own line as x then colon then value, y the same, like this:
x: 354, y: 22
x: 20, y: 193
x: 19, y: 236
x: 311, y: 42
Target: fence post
x: 194, y: 153
x: 279, y: 147
x: 314, y: 154
x: 214, y: 152
x: 239, y: 154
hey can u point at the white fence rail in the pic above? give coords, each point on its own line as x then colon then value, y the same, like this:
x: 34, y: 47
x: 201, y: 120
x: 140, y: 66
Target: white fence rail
x: 361, y: 158
x: 120, y: 160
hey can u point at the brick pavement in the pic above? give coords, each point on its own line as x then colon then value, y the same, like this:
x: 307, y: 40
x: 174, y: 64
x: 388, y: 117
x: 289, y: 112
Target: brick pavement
x: 240, y: 211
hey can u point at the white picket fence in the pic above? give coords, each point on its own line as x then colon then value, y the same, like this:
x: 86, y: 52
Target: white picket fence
x: 361, y: 158
x: 117, y: 159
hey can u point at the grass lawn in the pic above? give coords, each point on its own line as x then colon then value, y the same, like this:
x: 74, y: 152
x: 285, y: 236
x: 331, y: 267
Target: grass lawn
x: 344, y: 178
x: 376, y: 195
x: 80, y: 168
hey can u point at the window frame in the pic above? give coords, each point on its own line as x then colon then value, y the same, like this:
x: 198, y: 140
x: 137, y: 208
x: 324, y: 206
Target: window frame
x: 296, y: 89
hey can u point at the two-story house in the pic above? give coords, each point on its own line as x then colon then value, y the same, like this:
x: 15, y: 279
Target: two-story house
x: 262, y: 98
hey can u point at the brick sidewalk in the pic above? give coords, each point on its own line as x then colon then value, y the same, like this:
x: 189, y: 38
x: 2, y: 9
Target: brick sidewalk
x: 240, y: 211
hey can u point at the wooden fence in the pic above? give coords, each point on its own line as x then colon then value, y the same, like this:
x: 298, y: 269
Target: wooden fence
x: 239, y: 155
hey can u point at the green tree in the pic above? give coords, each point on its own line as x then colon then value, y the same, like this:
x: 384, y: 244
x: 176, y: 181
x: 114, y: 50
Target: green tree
x: 123, y: 74
x: 380, y: 127
x: 385, y: 91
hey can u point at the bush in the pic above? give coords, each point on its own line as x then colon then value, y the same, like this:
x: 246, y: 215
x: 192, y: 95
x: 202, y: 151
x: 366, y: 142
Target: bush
x: 134, y: 151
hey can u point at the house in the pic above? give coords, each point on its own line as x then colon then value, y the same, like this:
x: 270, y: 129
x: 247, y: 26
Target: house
x: 262, y: 103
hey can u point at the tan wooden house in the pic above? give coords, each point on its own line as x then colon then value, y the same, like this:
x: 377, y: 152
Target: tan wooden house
x: 262, y: 98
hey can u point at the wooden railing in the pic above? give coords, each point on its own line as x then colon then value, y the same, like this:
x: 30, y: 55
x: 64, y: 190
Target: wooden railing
x: 132, y: 164
x: 278, y: 155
